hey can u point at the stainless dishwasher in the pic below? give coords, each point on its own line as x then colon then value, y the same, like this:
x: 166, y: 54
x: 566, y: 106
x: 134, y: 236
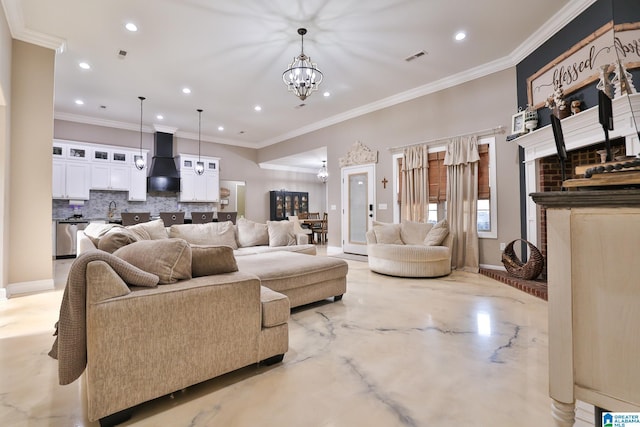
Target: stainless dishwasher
x: 66, y: 231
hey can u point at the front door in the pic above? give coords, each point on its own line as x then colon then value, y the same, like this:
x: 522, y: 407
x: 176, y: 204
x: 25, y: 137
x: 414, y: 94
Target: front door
x: 358, y: 201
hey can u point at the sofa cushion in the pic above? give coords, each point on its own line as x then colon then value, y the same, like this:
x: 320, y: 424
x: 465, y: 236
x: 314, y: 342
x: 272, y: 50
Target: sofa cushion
x: 151, y: 230
x: 116, y: 238
x: 251, y: 233
x: 209, y: 260
x: 212, y: 233
x: 169, y: 259
x: 413, y: 233
x: 387, y: 233
x: 281, y: 233
x: 437, y: 234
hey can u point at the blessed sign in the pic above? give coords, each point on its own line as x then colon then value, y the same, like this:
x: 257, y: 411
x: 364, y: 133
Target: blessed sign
x: 581, y: 64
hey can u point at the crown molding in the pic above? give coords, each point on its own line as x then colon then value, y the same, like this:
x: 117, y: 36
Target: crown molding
x: 164, y: 128
x: 15, y: 19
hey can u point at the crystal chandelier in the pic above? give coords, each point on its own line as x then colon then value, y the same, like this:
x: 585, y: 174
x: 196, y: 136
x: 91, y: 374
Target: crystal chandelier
x: 302, y: 77
x: 323, y: 174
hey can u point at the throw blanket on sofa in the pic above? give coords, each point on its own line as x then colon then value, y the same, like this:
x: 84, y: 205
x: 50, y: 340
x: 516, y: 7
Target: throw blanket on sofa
x: 70, y: 346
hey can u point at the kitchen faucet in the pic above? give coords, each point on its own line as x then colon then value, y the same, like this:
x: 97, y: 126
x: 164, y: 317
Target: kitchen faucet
x: 112, y: 211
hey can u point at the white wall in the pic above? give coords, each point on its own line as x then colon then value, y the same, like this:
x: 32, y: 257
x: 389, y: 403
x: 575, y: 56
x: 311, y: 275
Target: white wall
x: 5, y: 99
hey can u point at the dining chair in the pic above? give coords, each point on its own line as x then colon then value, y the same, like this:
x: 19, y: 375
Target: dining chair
x: 319, y: 229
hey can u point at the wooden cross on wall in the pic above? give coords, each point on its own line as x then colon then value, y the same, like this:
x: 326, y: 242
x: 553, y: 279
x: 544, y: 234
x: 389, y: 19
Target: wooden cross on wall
x: 384, y: 182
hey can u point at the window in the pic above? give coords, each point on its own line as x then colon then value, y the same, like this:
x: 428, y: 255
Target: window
x: 487, y: 222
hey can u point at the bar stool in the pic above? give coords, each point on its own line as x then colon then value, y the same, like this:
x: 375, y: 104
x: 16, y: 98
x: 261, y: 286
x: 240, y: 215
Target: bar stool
x: 133, y: 218
x: 201, y: 217
x: 227, y: 216
x: 170, y: 218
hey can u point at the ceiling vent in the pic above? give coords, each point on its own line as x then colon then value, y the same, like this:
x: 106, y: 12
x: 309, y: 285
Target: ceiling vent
x: 122, y: 53
x: 415, y: 56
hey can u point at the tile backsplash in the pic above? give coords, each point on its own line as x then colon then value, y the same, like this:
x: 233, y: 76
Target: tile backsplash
x: 97, y: 207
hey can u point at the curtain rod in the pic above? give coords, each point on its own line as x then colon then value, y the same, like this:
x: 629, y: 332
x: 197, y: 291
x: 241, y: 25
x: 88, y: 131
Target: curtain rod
x: 486, y: 132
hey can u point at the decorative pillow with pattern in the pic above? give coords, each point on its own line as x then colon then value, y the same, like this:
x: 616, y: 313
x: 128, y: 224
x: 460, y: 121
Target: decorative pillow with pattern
x: 437, y: 234
x: 169, y: 259
x: 281, y: 233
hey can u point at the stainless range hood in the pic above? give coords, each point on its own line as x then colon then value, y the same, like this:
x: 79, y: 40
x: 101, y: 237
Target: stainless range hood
x: 163, y: 175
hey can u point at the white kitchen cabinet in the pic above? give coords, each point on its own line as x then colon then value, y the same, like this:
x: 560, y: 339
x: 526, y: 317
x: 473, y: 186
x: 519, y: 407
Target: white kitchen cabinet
x: 70, y: 180
x: 110, y: 177
x: 138, y: 185
x: 199, y: 188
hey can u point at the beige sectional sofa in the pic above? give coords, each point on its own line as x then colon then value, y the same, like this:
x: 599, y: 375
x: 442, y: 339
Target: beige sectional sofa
x: 410, y: 249
x: 222, y: 310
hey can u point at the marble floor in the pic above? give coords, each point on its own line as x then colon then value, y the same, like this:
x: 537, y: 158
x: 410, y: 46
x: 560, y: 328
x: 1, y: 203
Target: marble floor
x: 462, y: 350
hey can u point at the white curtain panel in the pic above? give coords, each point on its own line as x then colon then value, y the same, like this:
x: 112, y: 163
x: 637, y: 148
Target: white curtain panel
x: 462, y: 159
x: 415, y: 184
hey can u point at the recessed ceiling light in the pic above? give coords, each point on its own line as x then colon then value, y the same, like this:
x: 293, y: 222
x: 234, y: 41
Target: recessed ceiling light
x: 257, y: 108
x: 79, y: 102
x: 326, y: 94
x: 160, y: 117
x: 186, y: 90
x: 460, y: 35
x: 131, y: 27
x: 220, y: 128
x: 84, y: 66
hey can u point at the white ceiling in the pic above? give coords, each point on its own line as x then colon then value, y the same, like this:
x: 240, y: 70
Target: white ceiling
x: 231, y: 54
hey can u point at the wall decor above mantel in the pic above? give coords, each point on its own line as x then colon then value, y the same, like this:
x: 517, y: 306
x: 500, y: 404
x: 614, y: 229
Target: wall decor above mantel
x: 580, y: 65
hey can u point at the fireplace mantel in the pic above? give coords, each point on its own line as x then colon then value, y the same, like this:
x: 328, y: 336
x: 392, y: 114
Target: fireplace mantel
x: 580, y: 130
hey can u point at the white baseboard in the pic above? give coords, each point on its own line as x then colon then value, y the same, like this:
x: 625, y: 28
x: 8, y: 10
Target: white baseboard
x: 29, y: 287
x: 493, y: 267
x: 3, y: 294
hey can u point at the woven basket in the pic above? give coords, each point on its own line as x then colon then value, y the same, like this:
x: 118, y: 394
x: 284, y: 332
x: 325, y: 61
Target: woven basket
x: 529, y: 270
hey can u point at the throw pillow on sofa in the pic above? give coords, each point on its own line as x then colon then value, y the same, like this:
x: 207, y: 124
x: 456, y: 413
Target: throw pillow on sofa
x: 151, y: 230
x: 414, y: 233
x: 116, y: 238
x: 281, y: 233
x: 437, y: 234
x: 251, y: 233
x: 387, y: 233
x: 212, y: 233
x: 208, y: 260
x: 169, y: 259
